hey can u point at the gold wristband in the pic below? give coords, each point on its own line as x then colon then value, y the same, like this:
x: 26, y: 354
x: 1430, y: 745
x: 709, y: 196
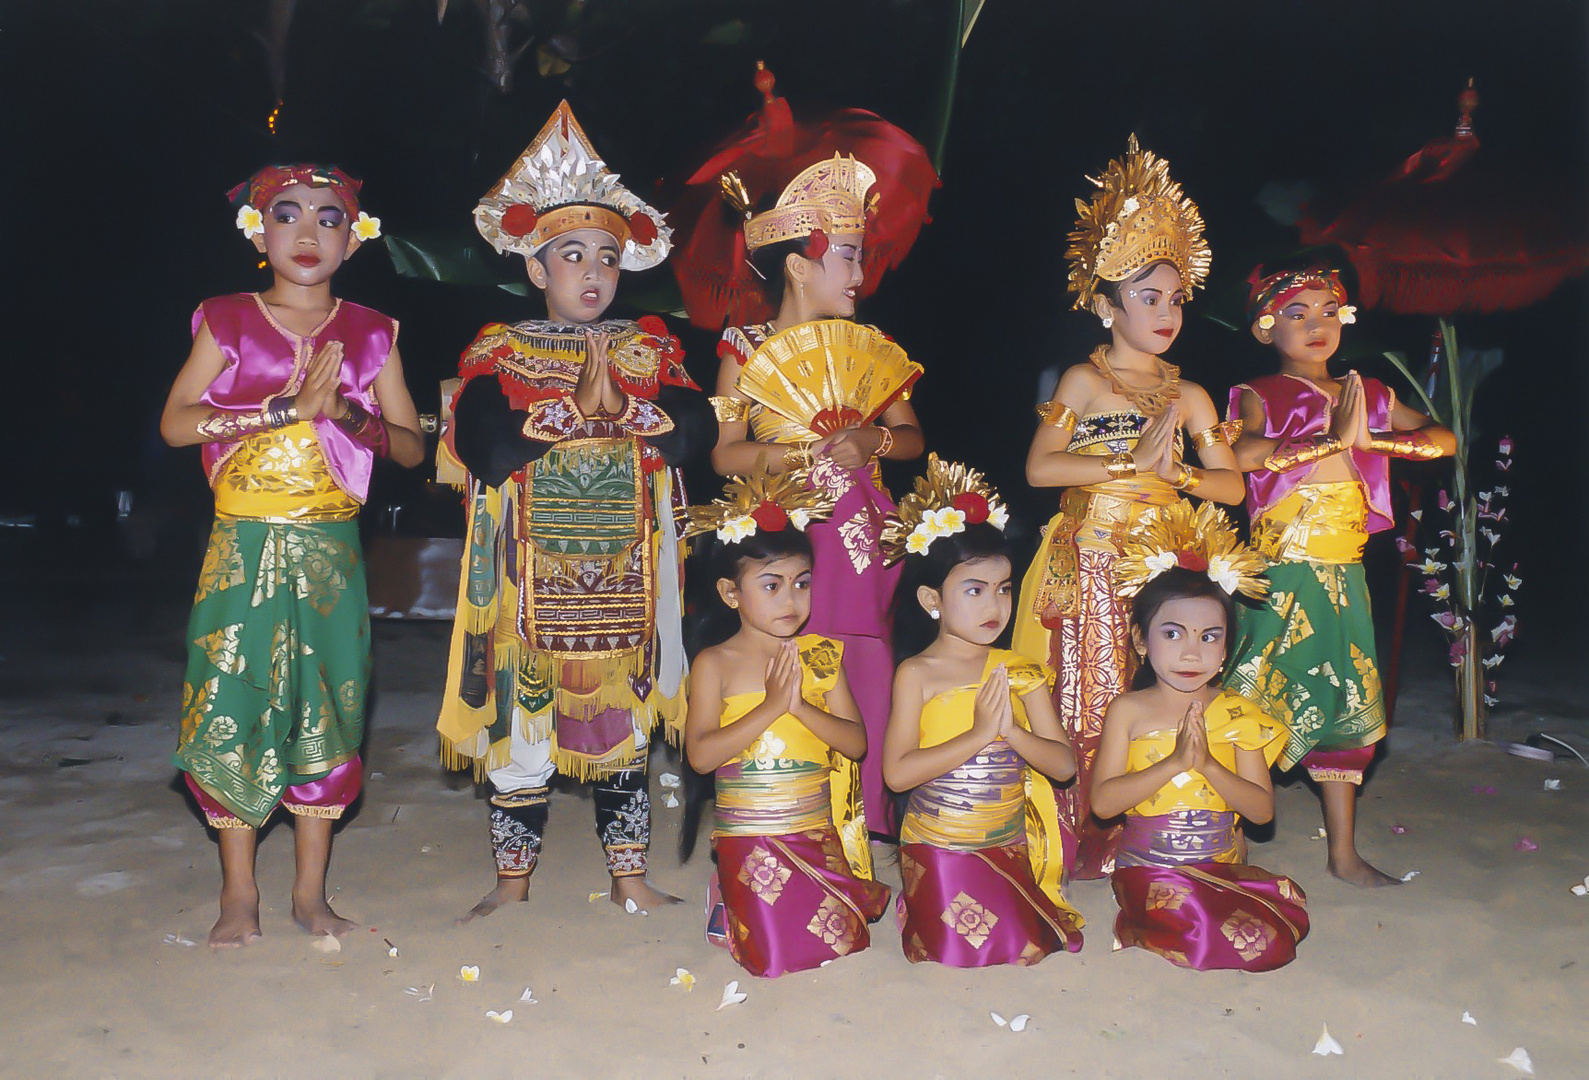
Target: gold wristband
x: 886, y: 444
x: 1298, y: 452
x: 729, y: 409
x: 1120, y: 467
x: 221, y: 425
x: 1189, y: 478
x: 798, y: 456
x: 1404, y: 444
x: 1209, y: 436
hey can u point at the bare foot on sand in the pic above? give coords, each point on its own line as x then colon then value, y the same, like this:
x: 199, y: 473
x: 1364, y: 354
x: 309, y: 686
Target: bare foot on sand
x: 509, y: 890
x: 1356, y: 871
x: 239, y: 921
x: 314, y: 914
x: 640, y: 891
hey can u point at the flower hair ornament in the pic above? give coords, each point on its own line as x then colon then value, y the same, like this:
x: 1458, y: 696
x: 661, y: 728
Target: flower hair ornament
x: 760, y: 502
x: 1267, y: 294
x: 1201, y: 540
x: 947, y: 499
x: 1137, y: 216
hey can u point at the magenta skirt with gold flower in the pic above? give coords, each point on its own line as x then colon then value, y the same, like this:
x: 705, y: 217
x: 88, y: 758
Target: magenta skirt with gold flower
x: 1204, y: 915
x: 792, y: 901
x: 978, y: 908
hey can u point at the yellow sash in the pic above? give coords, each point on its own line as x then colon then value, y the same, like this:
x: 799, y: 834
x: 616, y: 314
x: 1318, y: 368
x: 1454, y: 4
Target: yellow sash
x: 281, y: 475
x: 1324, y: 523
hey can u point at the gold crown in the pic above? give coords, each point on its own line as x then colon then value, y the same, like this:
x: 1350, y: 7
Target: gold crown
x: 1137, y: 217
x: 830, y: 195
x: 760, y: 501
x: 947, y: 499
x: 1203, y: 540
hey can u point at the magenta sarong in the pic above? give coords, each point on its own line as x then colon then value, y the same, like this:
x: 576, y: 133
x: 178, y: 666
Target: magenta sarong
x: 1195, y: 912
x: 978, y: 908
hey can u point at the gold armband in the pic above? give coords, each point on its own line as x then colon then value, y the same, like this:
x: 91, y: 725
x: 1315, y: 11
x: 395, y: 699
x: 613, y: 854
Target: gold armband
x: 1209, y: 436
x: 1232, y: 430
x: 1189, y: 478
x: 1289, y: 455
x: 1120, y: 467
x: 887, y: 443
x: 1404, y: 444
x: 728, y: 408
x: 1063, y: 418
x: 222, y: 425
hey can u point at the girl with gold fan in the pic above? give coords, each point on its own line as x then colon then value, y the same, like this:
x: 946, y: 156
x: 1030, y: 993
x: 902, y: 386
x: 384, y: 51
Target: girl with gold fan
x: 809, y: 389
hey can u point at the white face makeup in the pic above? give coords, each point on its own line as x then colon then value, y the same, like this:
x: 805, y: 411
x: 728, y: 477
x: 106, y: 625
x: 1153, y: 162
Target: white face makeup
x: 830, y: 284
x: 975, y: 601
x: 308, y: 234
x: 578, y: 273
x: 1308, y: 328
x: 1149, y: 316
x: 1186, y: 642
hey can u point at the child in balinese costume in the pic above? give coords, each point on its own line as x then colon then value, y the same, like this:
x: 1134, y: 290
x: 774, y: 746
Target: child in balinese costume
x: 1182, y: 758
x: 1317, y: 450
x: 292, y: 394
x: 771, y: 712
x: 974, y: 740
x: 567, y: 648
x: 1113, y: 437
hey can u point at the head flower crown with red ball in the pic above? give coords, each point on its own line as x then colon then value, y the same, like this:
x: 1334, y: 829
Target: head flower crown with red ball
x: 559, y: 184
x: 760, y: 503
x: 944, y: 501
x: 1200, y: 539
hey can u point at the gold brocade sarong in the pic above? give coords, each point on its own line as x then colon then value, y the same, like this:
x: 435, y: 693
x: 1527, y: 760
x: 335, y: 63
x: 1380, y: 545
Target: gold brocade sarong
x: 1323, y: 523
x: 281, y: 476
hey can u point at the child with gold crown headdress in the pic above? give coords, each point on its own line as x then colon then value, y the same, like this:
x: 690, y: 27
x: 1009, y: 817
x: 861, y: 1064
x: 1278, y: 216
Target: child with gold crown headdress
x: 772, y: 715
x: 810, y: 388
x: 1114, y: 438
x: 1185, y: 759
x: 973, y: 741
x: 1316, y: 450
x: 291, y: 394
x: 568, y: 644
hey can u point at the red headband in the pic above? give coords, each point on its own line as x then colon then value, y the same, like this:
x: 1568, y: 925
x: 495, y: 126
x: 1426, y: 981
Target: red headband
x: 258, y: 190
x: 1269, y: 294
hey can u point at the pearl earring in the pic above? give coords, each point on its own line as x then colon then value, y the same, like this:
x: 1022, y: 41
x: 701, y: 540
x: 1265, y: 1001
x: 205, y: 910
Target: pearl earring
x: 1108, y: 321
x: 933, y: 614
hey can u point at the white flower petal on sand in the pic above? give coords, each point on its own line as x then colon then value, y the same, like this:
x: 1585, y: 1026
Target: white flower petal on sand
x: 503, y: 1017
x: 1320, y: 835
x: 1409, y: 875
x: 670, y: 800
x: 1519, y: 1060
x: 469, y: 973
x: 731, y: 996
x: 682, y: 977
x: 1018, y: 1023
x: 1552, y: 785
x: 423, y: 995
x: 528, y: 997
x: 327, y: 944
x: 392, y: 951
x: 1582, y: 888
x: 179, y: 939
x: 669, y: 780
x: 630, y: 906
x: 1467, y: 1018
x: 593, y: 897
x: 1327, y: 1044
x: 999, y: 1020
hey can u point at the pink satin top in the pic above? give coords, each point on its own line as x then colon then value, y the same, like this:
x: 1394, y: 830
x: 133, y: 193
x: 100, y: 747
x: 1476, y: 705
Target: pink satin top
x: 265, y: 360
x: 1293, y: 408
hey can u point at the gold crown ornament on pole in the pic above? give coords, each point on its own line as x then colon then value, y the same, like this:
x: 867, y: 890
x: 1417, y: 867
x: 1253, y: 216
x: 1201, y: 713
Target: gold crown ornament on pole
x: 1138, y: 216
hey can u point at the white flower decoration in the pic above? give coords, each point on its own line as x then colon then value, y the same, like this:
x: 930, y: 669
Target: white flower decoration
x: 736, y: 529
x: 1513, y: 582
x: 366, y: 227
x: 951, y: 520
x: 919, y: 540
x: 1430, y: 566
x: 799, y: 519
x: 1130, y: 206
x: 251, y: 221
x: 1223, y: 574
x: 998, y: 517
x: 1159, y: 562
x: 1266, y: 322
x: 1442, y: 592
x: 1347, y: 314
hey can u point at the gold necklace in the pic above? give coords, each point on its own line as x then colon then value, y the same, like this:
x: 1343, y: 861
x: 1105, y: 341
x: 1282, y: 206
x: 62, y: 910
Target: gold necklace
x: 1149, y: 400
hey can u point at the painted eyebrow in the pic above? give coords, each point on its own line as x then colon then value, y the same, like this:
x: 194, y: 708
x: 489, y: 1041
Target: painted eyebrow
x: 279, y: 203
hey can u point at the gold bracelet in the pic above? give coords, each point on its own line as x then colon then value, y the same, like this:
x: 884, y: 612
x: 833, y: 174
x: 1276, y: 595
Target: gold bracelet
x: 798, y: 456
x: 886, y: 444
x: 221, y: 425
x: 728, y: 409
x: 1403, y: 444
x: 1209, y: 436
x: 1189, y: 478
x: 1298, y: 452
x: 1120, y: 467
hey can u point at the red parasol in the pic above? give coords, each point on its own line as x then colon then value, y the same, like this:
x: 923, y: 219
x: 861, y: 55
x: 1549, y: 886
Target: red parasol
x: 709, y: 254
x: 1452, y: 230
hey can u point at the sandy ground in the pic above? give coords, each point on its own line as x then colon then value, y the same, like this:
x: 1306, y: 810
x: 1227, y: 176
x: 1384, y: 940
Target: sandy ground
x: 103, y: 859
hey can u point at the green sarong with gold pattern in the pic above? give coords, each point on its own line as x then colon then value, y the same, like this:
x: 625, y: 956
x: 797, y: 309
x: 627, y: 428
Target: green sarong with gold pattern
x: 278, y: 661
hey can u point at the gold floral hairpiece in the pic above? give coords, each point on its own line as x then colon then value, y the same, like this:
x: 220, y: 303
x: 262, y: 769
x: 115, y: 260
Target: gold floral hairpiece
x: 760, y: 502
x: 1201, y: 540
x: 947, y: 499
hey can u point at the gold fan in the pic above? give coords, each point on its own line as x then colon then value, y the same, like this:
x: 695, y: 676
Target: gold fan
x: 828, y: 375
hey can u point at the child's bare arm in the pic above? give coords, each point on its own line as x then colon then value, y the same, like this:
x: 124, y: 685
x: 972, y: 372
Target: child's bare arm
x: 1045, y: 747
x: 1114, y: 790
x: 907, y: 764
x: 837, y: 722
x: 708, y: 743
x: 1049, y: 462
x: 398, y: 413
x: 1253, y: 447
x: 1406, y: 418
x: 185, y: 408
x: 1221, y: 480
x: 1248, y: 790
x: 736, y: 453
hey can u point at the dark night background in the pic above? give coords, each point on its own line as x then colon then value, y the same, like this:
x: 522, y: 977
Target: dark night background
x: 126, y: 121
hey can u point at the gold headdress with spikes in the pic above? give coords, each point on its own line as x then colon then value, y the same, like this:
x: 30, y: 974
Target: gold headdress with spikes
x: 1138, y: 216
x: 560, y: 184
x: 1201, y: 539
x: 947, y: 499
x: 830, y: 195
x: 760, y: 502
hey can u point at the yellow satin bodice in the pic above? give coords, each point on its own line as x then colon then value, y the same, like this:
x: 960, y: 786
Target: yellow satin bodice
x: 1233, y: 722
